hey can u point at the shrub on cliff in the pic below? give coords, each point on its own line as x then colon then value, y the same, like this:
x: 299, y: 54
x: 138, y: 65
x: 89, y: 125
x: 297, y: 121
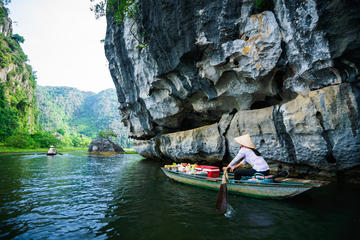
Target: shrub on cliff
x: 120, y: 9
x: 18, y: 38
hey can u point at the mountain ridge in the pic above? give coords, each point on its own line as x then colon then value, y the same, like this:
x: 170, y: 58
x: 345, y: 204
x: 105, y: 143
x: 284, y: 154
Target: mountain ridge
x: 73, y: 111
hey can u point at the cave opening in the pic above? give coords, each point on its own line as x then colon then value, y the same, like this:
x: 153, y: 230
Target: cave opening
x: 259, y: 105
x: 236, y: 62
x: 279, y: 79
x: 193, y: 56
x: 195, y: 120
x: 267, y: 102
x: 330, y: 158
x: 348, y: 69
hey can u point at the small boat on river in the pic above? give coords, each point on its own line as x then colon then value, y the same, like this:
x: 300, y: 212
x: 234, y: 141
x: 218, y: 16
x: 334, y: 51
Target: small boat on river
x: 274, y: 189
x: 52, y: 151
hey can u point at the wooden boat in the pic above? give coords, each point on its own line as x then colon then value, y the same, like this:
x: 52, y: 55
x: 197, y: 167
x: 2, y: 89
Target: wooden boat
x: 281, y: 188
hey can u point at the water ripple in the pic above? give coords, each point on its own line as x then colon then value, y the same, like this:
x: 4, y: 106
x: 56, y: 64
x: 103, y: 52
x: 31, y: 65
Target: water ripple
x: 76, y: 196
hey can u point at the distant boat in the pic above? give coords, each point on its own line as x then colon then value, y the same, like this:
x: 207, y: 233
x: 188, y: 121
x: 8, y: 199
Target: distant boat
x: 51, y: 154
x: 282, y: 188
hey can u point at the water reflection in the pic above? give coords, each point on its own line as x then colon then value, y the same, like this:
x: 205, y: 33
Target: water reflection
x: 80, y: 196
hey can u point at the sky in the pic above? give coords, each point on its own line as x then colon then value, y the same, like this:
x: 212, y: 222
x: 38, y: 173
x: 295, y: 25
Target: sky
x: 63, y: 42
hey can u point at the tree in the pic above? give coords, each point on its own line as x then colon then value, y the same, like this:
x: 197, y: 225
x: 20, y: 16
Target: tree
x: 120, y: 9
x: 45, y: 139
x: 18, y: 38
x: 20, y: 140
x: 107, y: 134
x: 61, y: 131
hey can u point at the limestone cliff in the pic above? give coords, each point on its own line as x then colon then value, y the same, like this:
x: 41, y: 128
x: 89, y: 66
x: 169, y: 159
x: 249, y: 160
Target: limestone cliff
x: 17, y: 83
x: 212, y: 70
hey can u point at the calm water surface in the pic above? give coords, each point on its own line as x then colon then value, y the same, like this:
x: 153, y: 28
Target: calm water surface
x: 76, y: 196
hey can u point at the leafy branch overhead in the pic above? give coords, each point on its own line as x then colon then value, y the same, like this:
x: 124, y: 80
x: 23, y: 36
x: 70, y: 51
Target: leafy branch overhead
x: 120, y: 9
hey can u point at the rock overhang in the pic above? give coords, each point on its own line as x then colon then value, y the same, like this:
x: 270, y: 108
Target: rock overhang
x: 199, y: 69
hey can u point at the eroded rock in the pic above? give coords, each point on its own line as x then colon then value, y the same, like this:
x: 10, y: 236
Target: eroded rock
x: 104, y: 146
x: 226, y: 68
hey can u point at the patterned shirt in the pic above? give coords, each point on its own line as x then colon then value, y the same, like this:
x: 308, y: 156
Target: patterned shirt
x: 257, y: 162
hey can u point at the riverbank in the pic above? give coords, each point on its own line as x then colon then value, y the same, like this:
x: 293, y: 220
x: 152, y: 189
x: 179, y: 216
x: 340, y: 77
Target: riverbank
x: 4, y: 149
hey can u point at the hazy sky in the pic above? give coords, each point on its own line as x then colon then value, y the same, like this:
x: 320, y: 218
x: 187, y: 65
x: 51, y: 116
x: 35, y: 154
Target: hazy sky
x: 62, y: 42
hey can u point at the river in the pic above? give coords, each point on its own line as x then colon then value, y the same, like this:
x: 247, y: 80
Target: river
x: 77, y: 196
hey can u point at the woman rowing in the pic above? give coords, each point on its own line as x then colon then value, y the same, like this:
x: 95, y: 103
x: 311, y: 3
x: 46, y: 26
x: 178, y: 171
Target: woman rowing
x: 250, y: 155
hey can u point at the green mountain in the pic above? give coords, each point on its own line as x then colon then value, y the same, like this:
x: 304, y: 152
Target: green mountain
x: 70, y: 111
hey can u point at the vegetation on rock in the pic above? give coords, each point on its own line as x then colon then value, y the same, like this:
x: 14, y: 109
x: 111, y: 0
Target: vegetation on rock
x: 17, y: 85
x: 120, y: 9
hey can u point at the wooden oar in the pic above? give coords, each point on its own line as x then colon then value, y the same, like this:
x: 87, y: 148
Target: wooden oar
x: 221, y: 202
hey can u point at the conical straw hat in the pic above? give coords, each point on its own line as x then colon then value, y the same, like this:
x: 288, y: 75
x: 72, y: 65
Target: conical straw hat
x: 245, y: 140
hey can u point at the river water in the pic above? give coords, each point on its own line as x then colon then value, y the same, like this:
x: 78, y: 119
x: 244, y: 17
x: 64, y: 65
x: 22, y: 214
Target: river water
x: 76, y: 196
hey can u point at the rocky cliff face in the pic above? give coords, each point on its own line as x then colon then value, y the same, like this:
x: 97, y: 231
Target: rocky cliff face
x: 17, y: 82
x: 212, y: 70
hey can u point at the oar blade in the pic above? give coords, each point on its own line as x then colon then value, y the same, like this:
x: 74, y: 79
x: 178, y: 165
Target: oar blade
x: 221, y: 202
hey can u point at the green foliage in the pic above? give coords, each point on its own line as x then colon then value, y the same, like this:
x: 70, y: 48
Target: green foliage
x: 17, y: 100
x: 107, y: 134
x: 18, y: 105
x: 10, y: 52
x: 5, y: 56
x: 61, y: 131
x: 8, y: 117
x: 80, y: 141
x: 3, y: 14
x: 262, y: 5
x: 120, y: 9
x: 18, y: 38
x: 45, y: 139
x: 25, y: 140
x: 72, y: 113
x: 20, y: 140
x: 126, y: 8
x: 258, y: 4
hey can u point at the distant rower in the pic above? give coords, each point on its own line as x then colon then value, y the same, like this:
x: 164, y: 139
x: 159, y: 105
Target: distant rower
x: 52, y: 151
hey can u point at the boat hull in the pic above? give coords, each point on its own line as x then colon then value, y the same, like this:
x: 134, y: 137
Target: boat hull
x: 258, y: 190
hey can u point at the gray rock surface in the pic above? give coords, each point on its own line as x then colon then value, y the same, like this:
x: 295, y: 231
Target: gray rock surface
x: 212, y: 70
x: 104, y: 146
x: 6, y: 26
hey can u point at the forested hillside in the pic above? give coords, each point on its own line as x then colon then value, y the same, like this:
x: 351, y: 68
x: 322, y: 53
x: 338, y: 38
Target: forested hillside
x: 17, y: 83
x: 71, y: 112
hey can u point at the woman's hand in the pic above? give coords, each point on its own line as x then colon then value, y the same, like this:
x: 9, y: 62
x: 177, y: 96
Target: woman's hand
x: 231, y: 168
